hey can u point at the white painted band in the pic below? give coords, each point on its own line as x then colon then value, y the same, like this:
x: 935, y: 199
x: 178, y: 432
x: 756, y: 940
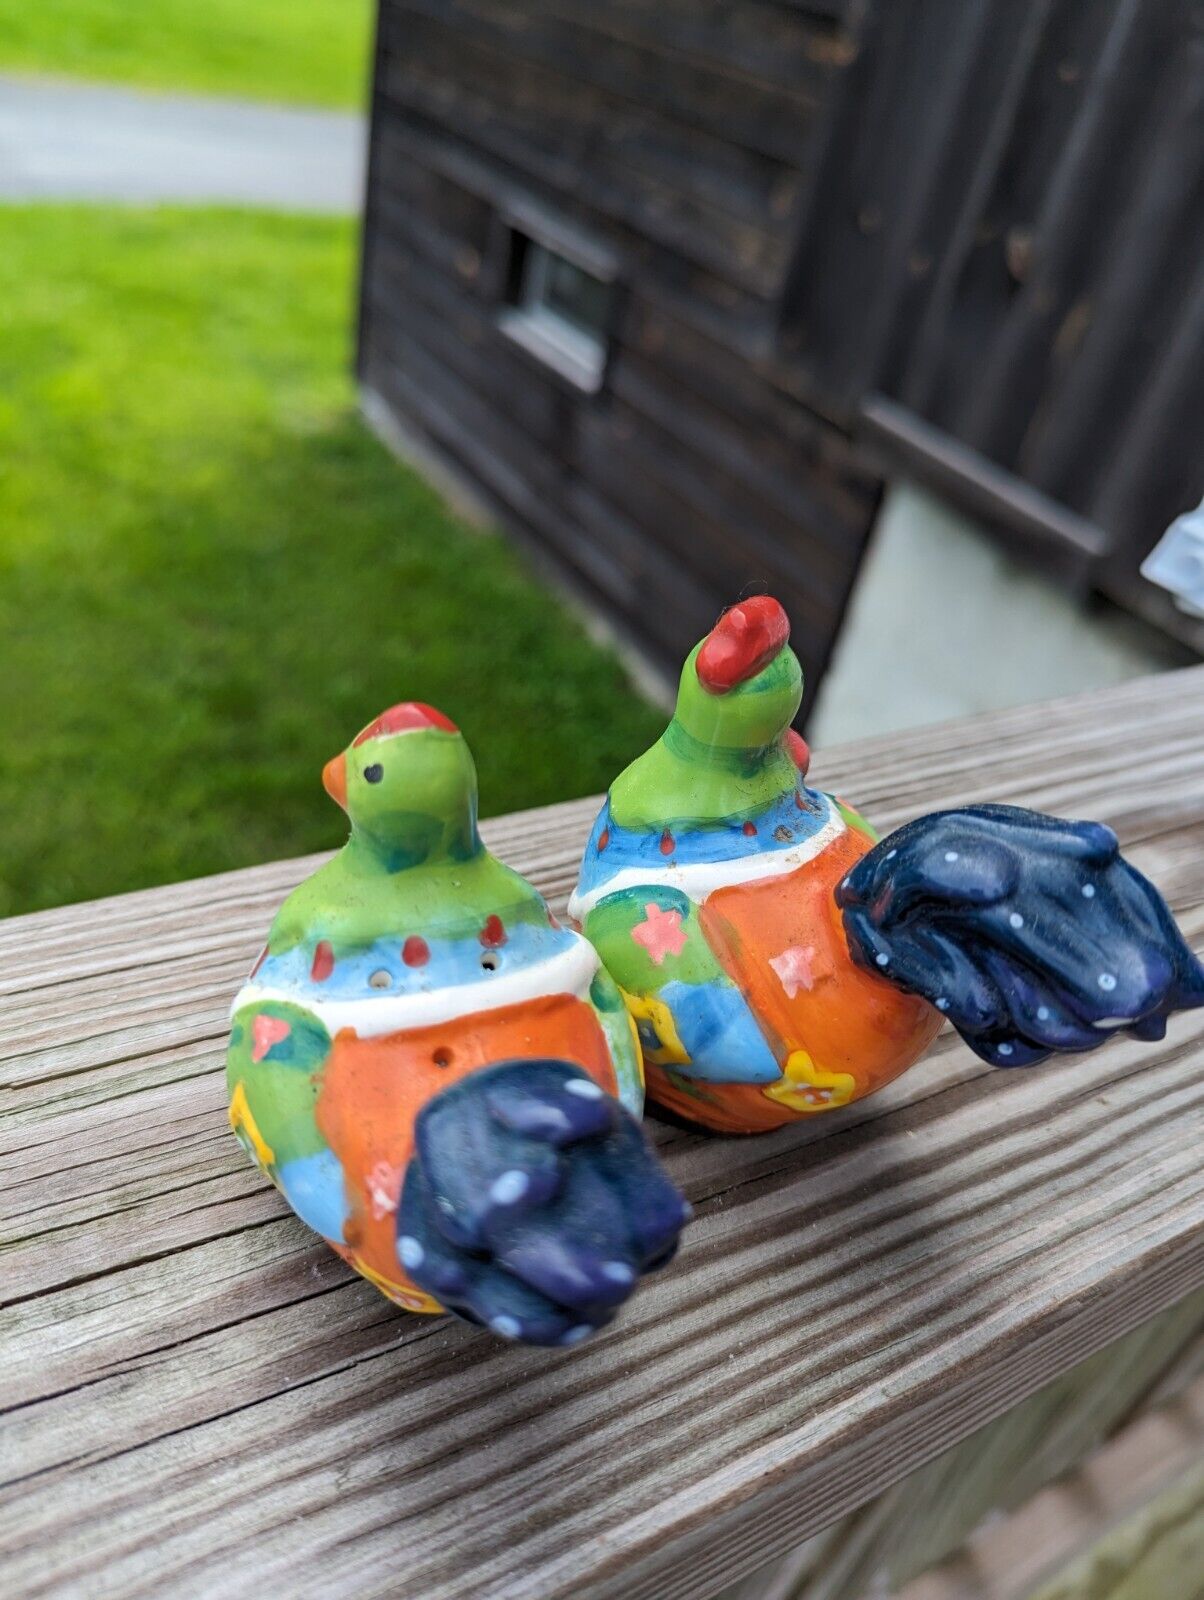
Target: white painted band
x: 570, y: 971
x: 698, y: 879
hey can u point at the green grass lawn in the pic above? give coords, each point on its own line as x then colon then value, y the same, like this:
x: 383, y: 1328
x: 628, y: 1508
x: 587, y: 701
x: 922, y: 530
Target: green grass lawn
x: 211, y: 575
x: 314, y: 51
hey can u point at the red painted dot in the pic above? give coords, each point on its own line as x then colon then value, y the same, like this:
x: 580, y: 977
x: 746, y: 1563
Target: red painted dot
x: 798, y: 750
x: 667, y: 844
x: 603, y: 838
x: 750, y: 829
x: 323, y: 964
x: 493, y: 933
x: 415, y: 952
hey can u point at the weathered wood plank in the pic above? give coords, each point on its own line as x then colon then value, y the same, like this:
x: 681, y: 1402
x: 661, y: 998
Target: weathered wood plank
x: 754, y: 39
x: 201, y: 1400
x: 709, y: 93
x: 548, y: 125
x: 968, y: 1494
x: 734, y: 318
x: 1090, y: 1535
x: 655, y: 450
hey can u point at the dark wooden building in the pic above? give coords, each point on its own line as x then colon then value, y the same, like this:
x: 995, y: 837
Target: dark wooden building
x: 675, y: 283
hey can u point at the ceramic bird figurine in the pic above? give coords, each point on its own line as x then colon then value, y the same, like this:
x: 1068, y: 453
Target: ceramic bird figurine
x: 442, y: 1080
x: 779, y: 962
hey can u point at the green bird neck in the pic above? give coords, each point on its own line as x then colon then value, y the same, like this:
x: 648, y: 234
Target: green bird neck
x: 400, y: 840
x: 722, y: 757
x: 414, y: 863
x: 353, y: 903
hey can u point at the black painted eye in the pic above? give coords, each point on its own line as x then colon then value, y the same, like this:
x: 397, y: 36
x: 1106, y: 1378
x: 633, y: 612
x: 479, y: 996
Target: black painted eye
x: 374, y: 773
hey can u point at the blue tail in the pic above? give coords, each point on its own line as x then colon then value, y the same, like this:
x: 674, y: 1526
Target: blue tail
x: 533, y: 1202
x: 1032, y: 934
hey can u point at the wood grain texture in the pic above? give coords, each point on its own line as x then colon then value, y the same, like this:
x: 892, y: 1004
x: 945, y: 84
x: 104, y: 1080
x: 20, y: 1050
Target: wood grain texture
x: 677, y: 139
x: 200, y: 1400
x: 930, y: 1522
x: 1091, y: 1534
x: 997, y: 238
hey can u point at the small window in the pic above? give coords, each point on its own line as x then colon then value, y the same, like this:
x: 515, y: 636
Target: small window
x: 559, y: 311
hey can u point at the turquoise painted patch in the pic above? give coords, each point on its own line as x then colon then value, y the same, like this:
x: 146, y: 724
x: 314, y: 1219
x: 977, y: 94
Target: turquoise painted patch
x: 314, y: 1187
x: 719, y: 1035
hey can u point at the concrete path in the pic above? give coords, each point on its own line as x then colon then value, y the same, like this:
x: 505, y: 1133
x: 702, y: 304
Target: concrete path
x: 64, y: 140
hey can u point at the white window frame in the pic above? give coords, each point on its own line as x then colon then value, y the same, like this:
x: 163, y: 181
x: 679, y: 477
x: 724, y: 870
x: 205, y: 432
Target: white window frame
x: 577, y: 355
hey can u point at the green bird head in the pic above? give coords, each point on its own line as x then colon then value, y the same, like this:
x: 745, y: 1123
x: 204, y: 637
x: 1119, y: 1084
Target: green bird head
x: 741, y: 687
x: 409, y: 785
x: 729, y: 749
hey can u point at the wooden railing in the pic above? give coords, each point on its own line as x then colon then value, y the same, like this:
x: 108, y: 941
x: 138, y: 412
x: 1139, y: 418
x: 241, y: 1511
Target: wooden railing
x: 202, y: 1399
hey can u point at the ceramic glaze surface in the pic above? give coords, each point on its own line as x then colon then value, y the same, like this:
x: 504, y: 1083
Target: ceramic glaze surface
x: 392, y: 978
x: 779, y: 962
x: 1031, y: 933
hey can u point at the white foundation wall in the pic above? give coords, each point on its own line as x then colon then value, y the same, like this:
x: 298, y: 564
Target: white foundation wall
x: 944, y: 623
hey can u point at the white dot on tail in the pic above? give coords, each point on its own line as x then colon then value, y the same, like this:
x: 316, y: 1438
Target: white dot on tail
x: 411, y: 1252
x: 618, y: 1272
x: 882, y: 958
x: 509, y: 1187
x: 942, y: 1004
x: 585, y: 1087
x: 1005, y: 1049
x: 950, y: 855
x: 1088, y: 891
x: 1042, y: 1013
x: 1107, y: 982
x: 508, y: 1327
x: 575, y: 1335
x: 891, y: 854
x: 1016, y: 920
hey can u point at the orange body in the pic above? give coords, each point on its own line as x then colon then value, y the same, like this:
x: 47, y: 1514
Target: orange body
x: 841, y: 1033
x: 373, y: 1089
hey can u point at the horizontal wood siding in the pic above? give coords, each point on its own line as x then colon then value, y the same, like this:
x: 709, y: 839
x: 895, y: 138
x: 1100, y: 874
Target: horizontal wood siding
x: 679, y: 136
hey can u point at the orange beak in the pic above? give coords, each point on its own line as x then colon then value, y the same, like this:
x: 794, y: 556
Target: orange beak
x: 334, y: 780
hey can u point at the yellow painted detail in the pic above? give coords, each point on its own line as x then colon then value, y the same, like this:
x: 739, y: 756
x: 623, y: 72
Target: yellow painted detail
x: 670, y: 1051
x: 806, y: 1087
x: 243, y: 1122
x: 639, y: 1049
x: 402, y: 1295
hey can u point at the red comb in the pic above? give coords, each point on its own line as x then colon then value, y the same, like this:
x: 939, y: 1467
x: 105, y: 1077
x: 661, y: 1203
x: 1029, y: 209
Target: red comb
x: 742, y: 643
x: 405, y: 718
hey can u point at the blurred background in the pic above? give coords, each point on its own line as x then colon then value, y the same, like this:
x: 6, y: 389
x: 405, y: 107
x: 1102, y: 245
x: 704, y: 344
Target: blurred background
x: 482, y: 351
x: 892, y: 309
x: 211, y: 573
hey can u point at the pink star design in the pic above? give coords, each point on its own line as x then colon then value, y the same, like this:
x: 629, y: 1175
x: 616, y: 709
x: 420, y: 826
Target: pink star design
x: 662, y: 935
x: 794, y: 968
x: 384, y: 1188
x: 265, y: 1032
